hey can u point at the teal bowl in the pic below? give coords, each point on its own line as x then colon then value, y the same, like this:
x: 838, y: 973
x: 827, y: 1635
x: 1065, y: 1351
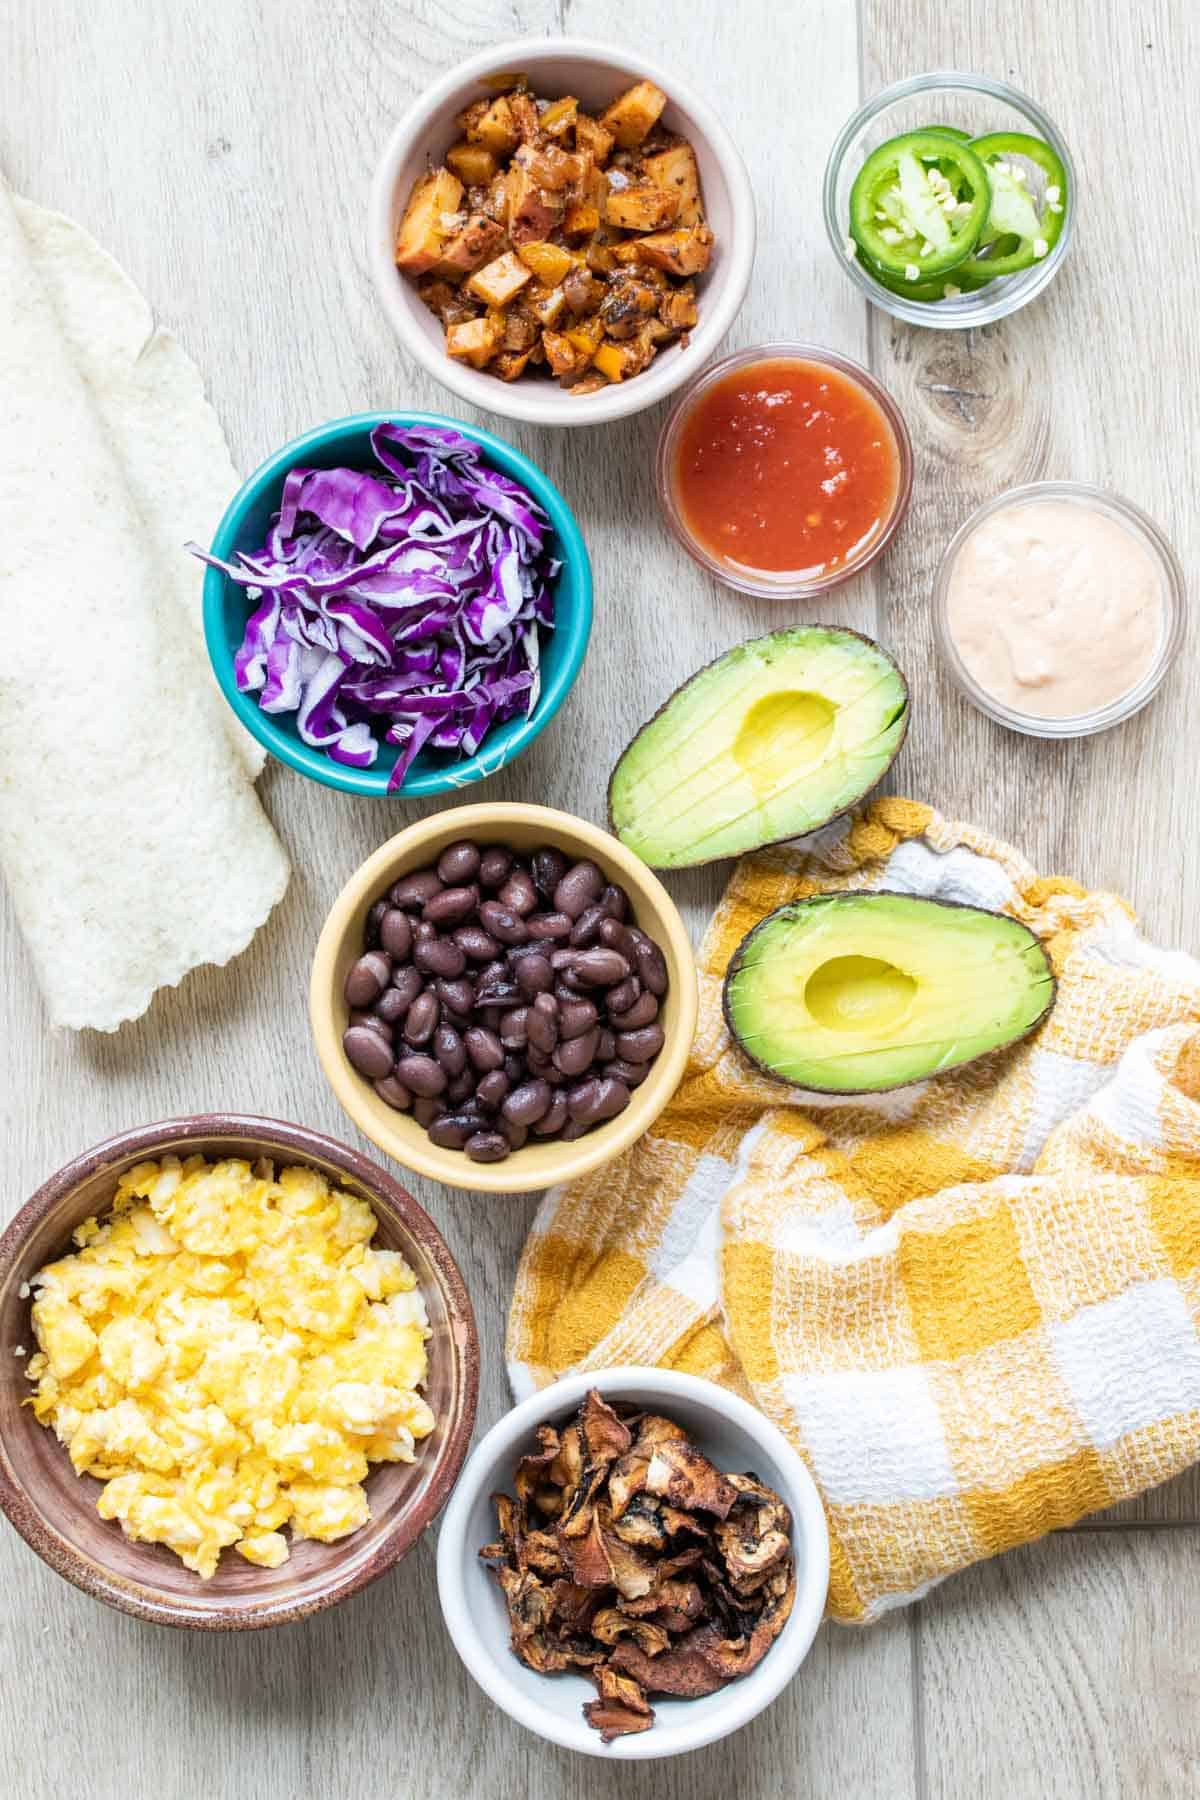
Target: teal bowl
x: 346, y: 443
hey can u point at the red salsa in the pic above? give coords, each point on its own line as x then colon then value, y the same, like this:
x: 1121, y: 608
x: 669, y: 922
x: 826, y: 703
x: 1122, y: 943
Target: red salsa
x: 786, y: 467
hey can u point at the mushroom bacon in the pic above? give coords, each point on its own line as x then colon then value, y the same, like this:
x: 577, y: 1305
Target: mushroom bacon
x: 628, y: 1555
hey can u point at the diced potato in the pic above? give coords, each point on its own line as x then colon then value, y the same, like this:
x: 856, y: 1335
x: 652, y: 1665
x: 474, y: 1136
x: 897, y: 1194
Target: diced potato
x: 564, y: 357
x: 685, y: 251
x: 449, y: 303
x: 545, y: 303
x: 470, y: 116
x: 549, y: 262
x: 525, y: 117
x: 521, y: 329
x: 495, y: 127
x: 499, y: 281
x: 619, y: 361
x: 591, y: 135
x: 550, y: 167
x: 472, y: 245
x: 633, y: 114
x: 626, y: 306
x: 511, y: 363
x: 642, y: 206
x: 559, y: 116
x: 677, y: 310
x: 580, y: 219
x: 587, y: 335
x: 533, y: 211
x: 475, y: 341
x: 599, y: 257
x: 422, y: 231
x: 675, y: 171
x: 473, y: 163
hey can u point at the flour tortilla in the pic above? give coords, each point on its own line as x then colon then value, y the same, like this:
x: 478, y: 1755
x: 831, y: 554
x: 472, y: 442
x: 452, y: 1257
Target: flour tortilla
x: 131, y: 838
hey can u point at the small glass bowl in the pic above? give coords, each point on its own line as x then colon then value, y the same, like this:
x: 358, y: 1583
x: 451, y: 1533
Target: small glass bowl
x: 1174, y: 623
x: 764, y: 582
x: 974, y: 103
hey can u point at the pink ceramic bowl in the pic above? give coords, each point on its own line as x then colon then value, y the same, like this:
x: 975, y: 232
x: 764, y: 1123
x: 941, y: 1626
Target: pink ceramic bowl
x: 55, y: 1510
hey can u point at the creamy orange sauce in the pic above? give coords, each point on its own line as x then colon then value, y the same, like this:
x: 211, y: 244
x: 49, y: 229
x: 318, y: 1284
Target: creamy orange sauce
x: 1055, y: 608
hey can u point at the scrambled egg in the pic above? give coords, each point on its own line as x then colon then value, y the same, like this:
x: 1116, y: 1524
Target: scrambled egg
x: 229, y: 1355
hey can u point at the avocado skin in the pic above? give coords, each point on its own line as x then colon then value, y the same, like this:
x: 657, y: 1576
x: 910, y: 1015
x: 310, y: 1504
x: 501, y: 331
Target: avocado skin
x: 745, y: 644
x: 890, y: 1087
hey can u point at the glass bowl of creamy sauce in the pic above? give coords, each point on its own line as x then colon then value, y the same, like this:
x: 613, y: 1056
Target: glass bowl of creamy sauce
x: 1058, y: 609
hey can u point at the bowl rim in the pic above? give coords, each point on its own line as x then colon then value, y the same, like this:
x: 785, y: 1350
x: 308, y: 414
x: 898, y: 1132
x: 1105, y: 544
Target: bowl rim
x: 759, y: 583
x: 967, y: 310
x: 127, y: 1595
x: 809, y: 1529
x: 575, y: 626
x: 586, y: 1153
x: 513, y: 400
x: 1174, y: 624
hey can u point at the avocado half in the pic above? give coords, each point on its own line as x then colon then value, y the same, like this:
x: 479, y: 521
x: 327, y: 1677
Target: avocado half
x: 770, y: 741
x: 858, y: 993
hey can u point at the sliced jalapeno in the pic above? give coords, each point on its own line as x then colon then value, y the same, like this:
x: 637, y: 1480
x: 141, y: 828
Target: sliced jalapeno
x: 920, y: 202
x: 939, y: 287
x: 1017, y: 234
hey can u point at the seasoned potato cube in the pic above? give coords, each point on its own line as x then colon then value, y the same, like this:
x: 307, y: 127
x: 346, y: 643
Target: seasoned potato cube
x: 642, y: 206
x: 584, y: 293
x: 678, y: 308
x: 633, y: 113
x: 565, y: 358
x: 559, y: 117
x: 525, y: 116
x: 470, y: 246
x: 590, y: 135
x: 474, y: 341
x: 587, y: 335
x: 510, y: 363
x: 551, y: 168
x: 580, y: 219
x: 422, y: 229
x: 473, y: 163
x: 685, y: 251
x: 675, y: 171
x: 626, y: 306
x: 500, y: 280
x: 619, y: 361
x: 545, y: 303
x: 495, y: 127
x: 549, y: 262
x: 521, y: 330
x: 533, y: 211
x: 448, y: 303
x: 591, y: 383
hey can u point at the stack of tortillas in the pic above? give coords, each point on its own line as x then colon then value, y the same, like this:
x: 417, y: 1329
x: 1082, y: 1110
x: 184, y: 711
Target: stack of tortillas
x: 131, y: 838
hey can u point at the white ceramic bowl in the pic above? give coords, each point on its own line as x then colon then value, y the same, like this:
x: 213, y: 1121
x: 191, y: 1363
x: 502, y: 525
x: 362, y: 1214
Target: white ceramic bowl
x: 596, y: 74
x: 735, y: 1436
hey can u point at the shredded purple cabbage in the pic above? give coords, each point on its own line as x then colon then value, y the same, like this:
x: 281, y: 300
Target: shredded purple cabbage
x: 401, y: 607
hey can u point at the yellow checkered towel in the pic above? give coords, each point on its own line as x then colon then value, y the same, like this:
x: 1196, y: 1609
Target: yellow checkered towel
x: 972, y: 1305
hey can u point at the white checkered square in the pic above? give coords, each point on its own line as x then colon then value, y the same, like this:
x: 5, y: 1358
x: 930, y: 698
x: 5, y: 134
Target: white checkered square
x: 875, y: 1436
x: 1130, y: 1361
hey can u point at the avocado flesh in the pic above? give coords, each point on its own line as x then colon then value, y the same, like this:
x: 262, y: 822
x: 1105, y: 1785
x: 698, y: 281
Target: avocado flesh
x: 855, y: 993
x: 769, y: 742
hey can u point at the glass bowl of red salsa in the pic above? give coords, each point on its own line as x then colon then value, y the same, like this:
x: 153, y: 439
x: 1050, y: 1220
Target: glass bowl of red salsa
x: 784, y: 470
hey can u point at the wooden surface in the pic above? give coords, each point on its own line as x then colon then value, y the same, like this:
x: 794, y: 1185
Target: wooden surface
x: 221, y: 149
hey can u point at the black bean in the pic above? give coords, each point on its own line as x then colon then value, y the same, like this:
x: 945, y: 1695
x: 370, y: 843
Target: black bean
x: 518, y: 892
x: 534, y: 974
x: 412, y: 891
x: 514, y: 1033
x: 606, y: 1045
x: 623, y: 996
x: 371, y: 938
x: 421, y: 1019
x: 487, y: 1146
x: 493, y: 1089
x: 541, y: 1026
x: 527, y: 1103
x: 561, y: 960
x: 615, y: 901
x: 407, y: 983
x: 651, y: 964
x: 440, y: 957
x: 615, y: 936
x: 476, y: 944
x: 484, y: 1049
x: 368, y: 1050
x: 395, y: 933
x: 640, y: 1046
x: 457, y: 997
x: 553, y: 1118
x: 548, y: 927
x: 490, y: 1017
x: 367, y: 978
x: 574, y: 1128
x: 451, y: 1132
x: 502, y: 923
x: 449, y: 1049
x: 373, y: 1021
x: 498, y: 993
x: 632, y: 1074
x: 453, y: 906
x: 426, y: 1110
x: 586, y: 930
x: 644, y: 1011
x: 612, y: 1098
x: 514, y: 1068
x: 394, y: 1093
x: 424, y: 932
x: 580, y: 886
x: 515, y: 1134
x: 576, y: 1054
x: 461, y: 1088
x: 599, y: 968
x: 575, y: 1017
x: 494, y: 866
x: 422, y: 1074
x: 391, y: 1006
x: 458, y: 863
x: 547, y: 866
x: 583, y: 1101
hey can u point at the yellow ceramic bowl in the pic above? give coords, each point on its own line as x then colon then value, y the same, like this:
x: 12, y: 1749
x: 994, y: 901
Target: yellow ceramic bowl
x: 517, y: 827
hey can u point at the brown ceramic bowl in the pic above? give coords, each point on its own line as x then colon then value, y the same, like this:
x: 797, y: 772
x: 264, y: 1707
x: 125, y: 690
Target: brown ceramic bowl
x: 55, y: 1510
